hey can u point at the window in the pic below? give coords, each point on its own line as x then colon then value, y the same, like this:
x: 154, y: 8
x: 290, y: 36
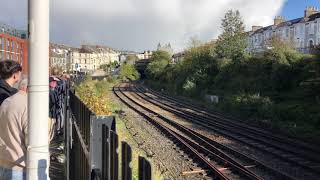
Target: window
x: 12, y: 46
x: 311, y: 44
x: 287, y: 32
x: 311, y: 29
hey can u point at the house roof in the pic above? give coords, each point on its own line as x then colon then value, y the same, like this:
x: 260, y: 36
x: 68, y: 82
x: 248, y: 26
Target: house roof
x: 97, y: 49
x: 289, y: 23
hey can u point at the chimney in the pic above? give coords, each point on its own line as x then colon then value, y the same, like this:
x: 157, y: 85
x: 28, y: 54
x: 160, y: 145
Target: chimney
x: 254, y: 28
x: 278, y: 20
x: 310, y: 10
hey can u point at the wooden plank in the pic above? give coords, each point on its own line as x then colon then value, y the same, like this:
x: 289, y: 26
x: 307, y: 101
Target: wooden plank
x: 195, y: 171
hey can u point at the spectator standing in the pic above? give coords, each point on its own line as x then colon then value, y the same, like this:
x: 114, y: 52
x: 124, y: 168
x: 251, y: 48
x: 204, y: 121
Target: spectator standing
x: 13, y: 136
x: 10, y: 72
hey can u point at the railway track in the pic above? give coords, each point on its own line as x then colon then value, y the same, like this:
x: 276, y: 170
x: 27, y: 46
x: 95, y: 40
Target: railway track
x: 234, y: 121
x: 201, y: 146
x: 291, y: 151
x: 202, y: 154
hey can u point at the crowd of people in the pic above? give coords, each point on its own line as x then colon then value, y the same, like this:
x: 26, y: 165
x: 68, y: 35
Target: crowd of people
x: 14, y: 116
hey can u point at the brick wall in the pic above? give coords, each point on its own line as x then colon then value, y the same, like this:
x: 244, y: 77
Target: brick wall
x: 14, y: 48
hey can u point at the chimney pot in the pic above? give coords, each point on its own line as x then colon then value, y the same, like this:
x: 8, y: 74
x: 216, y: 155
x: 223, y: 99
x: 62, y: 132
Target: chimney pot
x: 310, y: 10
x: 278, y: 20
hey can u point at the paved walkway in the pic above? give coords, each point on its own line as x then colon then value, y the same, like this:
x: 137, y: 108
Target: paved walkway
x: 57, y: 164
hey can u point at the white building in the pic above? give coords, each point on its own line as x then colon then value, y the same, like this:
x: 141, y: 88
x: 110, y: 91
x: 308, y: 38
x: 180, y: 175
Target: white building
x: 144, y: 55
x: 58, y: 56
x: 303, y: 33
x: 90, y: 57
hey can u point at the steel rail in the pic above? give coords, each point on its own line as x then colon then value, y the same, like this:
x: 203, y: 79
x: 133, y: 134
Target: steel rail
x: 212, y: 125
x: 205, y: 150
x: 232, y: 151
x: 173, y: 135
x: 238, y: 123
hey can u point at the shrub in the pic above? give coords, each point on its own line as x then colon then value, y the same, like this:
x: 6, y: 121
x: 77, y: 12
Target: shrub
x: 92, y: 93
x: 248, y: 105
x: 128, y: 72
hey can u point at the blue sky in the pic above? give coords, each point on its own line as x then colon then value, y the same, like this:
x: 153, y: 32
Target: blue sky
x: 295, y: 8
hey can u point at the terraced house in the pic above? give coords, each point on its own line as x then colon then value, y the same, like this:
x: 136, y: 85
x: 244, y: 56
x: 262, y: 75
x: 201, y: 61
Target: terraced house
x: 58, y: 56
x: 90, y: 57
x: 303, y: 33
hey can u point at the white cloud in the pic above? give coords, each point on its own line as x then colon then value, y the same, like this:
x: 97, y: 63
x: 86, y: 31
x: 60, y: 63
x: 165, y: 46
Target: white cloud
x: 141, y: 24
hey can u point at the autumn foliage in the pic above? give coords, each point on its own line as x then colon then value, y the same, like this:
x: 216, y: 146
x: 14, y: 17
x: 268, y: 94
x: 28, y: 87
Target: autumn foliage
x: 93, y: 94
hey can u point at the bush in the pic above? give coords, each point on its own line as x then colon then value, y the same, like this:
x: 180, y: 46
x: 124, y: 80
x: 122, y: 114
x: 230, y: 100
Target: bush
x: 156, y: 69
x: 248, y: 105
x: 92, y: 93
x: 128, y: 72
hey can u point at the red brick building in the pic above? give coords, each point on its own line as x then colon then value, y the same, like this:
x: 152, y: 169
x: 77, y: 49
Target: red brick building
x: 15, y: 48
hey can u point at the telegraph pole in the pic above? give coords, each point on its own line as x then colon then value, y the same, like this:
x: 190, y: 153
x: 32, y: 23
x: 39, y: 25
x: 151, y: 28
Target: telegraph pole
x: 38, y: 94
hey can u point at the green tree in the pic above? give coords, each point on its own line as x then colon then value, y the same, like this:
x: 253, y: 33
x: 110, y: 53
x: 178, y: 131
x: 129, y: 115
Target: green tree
x: 128, y: 72
x: 282, y: 52
x: 232, y: 42
x: 157, y: 67
x: 202, y: 66
x: 160, y: 55
x: 109, y: 66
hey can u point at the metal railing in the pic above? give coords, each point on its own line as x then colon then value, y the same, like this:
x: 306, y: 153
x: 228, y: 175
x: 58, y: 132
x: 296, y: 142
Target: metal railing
x: 92, y: 146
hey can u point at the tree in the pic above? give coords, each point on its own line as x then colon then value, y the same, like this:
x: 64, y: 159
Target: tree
x: 160, y: 55
x: 131, y: 59
x: 281, y: 52
x: 201, y: 65
x: 232, y: 42
x: 159, y: 61
x: 128, y: 72
x: 109, y: 66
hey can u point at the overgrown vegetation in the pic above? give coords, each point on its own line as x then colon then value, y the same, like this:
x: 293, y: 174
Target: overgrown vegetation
x: 97, y: 96
x: 128, y: 72
x: 279, y: 87
x: 110, y: 66
x: 93, y: 94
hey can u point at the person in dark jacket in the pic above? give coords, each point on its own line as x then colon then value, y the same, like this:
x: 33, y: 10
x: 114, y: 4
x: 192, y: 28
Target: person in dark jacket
x: 10, y: 73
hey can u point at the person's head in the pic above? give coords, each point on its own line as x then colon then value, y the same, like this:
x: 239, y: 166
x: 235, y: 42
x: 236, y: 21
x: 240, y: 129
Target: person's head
x: 10, y: 71
x: 23, y: 84
x: 55, y: 71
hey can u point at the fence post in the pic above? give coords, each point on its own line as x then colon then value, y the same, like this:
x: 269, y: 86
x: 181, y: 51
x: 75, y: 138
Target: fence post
x: 144, y: 169
x: 126, y: 158
x: 105, y: 152
x: 114, y: 166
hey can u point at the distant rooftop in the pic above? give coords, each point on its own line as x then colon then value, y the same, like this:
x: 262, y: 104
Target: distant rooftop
x: 4, y: 28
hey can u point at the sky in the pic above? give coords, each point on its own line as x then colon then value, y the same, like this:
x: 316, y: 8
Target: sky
x: 141, y: 24
x: 295, y: 8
